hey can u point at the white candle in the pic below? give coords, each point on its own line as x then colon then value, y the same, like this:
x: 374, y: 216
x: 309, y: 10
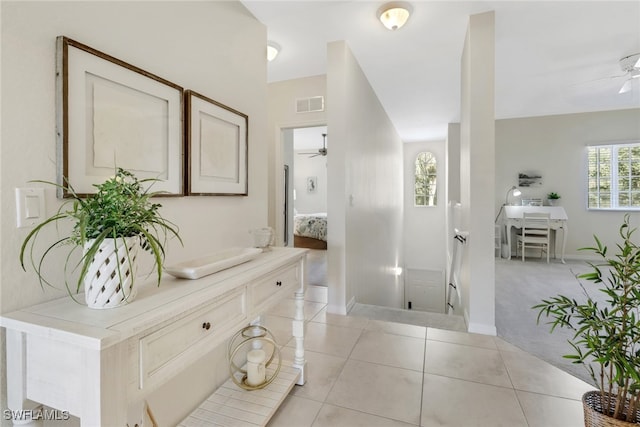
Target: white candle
x: 256, y: 373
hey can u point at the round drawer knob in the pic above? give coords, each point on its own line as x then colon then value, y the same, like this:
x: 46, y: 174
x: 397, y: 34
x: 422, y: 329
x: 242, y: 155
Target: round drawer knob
x: 206, y: 325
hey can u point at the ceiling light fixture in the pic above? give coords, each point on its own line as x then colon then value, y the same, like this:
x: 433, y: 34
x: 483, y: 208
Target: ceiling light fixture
x: 394, y: 15
x: 272, y: 50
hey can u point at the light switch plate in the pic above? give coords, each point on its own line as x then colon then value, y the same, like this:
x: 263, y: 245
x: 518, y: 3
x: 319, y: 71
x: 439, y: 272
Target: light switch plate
x: 30, y: 206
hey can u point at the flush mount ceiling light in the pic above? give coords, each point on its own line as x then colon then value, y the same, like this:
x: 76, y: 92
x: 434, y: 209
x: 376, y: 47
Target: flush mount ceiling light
x: 272, y: 50
x: 394, y: 15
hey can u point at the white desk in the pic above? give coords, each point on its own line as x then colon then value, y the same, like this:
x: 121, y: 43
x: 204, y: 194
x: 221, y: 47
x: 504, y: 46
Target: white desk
x: 100, y: 365
x: 511, y: 216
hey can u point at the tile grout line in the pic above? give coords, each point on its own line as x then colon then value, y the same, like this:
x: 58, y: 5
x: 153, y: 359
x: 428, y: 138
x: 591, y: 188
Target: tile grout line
x: 346, y: 360
x: 424, y: 374
x: 513, y: 387
x: 324, y: 401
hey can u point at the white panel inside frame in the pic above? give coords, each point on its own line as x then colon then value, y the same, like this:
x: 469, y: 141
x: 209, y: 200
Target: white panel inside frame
x: 218, y: 144
x: 219, y: 149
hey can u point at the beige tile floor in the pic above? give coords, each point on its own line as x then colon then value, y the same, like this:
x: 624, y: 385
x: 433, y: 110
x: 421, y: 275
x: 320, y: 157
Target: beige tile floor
x: 366, y: 372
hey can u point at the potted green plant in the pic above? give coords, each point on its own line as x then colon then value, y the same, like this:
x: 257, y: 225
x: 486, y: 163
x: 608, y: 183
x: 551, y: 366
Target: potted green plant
x: 109, y: 227
x: 553, y: 198
x: 606, y: 337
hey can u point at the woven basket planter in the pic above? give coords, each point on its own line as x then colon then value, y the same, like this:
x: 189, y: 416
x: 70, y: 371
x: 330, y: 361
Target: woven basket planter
x: 104, y: 286
x: 593, y: 417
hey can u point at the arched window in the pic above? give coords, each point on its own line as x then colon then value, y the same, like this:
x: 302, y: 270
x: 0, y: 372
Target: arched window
x: 425, y: 180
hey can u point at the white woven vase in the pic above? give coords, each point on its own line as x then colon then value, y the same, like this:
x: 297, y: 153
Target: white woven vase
x: 104, y: 287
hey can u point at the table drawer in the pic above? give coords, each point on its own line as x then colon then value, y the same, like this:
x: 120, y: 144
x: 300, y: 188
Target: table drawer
x: 270, y: 289
x: 162, y: 352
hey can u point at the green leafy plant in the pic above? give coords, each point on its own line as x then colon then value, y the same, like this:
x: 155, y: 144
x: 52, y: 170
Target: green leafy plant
x: 120, y: 208
x: 553, y: 196
x: 607, y: 337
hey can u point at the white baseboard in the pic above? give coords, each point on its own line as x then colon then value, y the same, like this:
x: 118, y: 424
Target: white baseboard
x: 337, y: 309
x: 481, y: 328
x: 581, y: 257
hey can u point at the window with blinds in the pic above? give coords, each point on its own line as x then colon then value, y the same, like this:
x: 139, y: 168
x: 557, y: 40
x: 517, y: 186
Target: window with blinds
x: 614, y: 176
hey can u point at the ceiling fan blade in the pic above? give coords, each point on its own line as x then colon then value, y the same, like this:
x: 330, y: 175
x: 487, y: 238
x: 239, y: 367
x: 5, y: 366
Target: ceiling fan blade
x: 626, y: 87
x: 321, y: 151
x: 601, y: 79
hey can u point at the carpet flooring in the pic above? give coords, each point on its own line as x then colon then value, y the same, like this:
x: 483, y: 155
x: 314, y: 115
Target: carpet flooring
x: 520, y: 286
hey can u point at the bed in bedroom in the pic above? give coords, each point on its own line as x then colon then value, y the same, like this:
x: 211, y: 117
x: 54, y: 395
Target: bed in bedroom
x: 310, y: 231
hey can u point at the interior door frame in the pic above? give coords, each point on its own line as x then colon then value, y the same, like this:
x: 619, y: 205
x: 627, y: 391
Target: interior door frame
x: 279, y: 173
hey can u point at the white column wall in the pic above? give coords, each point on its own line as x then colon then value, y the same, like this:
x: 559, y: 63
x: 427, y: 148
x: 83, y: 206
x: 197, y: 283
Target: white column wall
x: 477, y: 154
x: 365, y: 182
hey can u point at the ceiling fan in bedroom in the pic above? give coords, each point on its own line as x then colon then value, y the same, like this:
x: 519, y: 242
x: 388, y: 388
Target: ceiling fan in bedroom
x: 321, y: 151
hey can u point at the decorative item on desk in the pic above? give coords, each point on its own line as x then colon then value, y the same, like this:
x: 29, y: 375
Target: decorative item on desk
x: 515, y: 191
x: 531, y: 202
x: 256, y: 370
x: 212, y: 263
x: 606, y: 336
x: 108, y: 226
x: 263, y: 237
x: 261, y: 351
x: 552, y: 198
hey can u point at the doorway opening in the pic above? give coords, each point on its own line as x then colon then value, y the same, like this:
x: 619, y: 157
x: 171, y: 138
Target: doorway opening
x: 305, y: 151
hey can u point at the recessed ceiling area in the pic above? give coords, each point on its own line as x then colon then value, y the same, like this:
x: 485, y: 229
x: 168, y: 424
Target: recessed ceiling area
x: 552, y: 57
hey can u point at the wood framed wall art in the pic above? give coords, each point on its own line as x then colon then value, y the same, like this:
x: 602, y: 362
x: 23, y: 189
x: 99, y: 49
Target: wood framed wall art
x: 217, y: 141
x: 112, y: 114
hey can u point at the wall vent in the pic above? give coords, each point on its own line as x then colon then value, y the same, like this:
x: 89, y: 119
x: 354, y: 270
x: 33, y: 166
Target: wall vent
x: 425, y: 290
x: 310, y: 105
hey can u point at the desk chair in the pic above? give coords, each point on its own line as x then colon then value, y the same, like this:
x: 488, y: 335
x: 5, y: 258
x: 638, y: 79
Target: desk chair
x: 535, y: 233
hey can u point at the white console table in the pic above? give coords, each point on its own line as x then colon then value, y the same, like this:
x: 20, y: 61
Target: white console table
x: 99, y: 365
x: 511, y: 216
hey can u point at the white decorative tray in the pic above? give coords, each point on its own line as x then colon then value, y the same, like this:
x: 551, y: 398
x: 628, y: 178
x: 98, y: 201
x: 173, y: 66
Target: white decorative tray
x: 212, y: 263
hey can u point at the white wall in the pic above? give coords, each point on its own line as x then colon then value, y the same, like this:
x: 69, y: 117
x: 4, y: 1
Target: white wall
x: 555, y: 146
x: 453, y: 162
x: 365, y: 202
x: 424, y: 235
x: 477, y: 141
x: 453, y: 216
x: 193, y: 44
x: 310, y: 202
